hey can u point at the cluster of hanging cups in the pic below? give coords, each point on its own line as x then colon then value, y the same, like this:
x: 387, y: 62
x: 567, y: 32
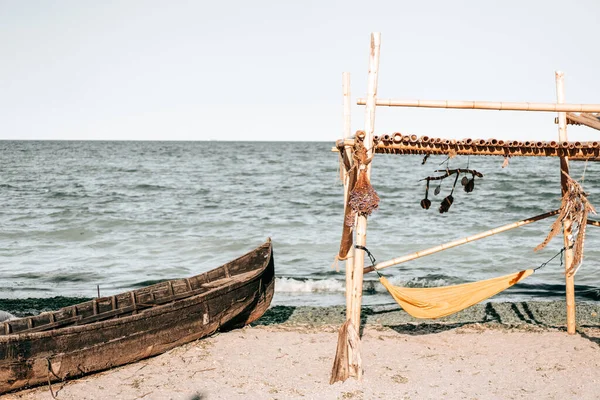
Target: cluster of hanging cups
x: 419, y: 145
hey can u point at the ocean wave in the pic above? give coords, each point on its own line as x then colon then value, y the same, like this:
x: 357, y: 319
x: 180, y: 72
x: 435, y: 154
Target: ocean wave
x: 71, y: 234
x: 147, y: 186
x: 61, y: 195
x: 305, y: 285
x: 427, y: 281
x: 4, y: 316
x: 309, y: 285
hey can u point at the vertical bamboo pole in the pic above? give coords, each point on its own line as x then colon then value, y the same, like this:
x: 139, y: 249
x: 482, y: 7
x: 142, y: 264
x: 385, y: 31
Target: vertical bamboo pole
x: 567, y: 224
x: 361, y: 225
x: 347, y: 134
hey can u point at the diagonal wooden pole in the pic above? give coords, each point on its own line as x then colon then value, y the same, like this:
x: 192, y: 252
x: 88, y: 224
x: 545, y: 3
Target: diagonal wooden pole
x: 449, y: 245
x: 567, y: 223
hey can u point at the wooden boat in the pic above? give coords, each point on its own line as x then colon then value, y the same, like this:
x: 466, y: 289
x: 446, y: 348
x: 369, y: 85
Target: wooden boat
x: 111, y: 331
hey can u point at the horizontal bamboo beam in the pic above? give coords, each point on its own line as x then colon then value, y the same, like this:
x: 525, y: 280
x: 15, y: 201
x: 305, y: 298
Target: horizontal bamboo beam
x: 594, y: 223
x: 449, y: 245
x: 486, y: 105
x: 399, y: 144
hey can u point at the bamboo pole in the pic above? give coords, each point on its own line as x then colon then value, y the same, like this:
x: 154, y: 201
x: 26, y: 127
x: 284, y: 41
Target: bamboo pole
x: 583, y: 119
x: 348, y: 360
x: 594, y: 223
x: 361, y: 226
x: 567, y: 223
x: 487, y: 105
x: 449, y: 245
x: 347, y: 133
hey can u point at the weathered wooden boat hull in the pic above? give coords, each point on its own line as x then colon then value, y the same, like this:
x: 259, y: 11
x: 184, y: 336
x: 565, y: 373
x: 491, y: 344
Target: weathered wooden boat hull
x: 230, y: 296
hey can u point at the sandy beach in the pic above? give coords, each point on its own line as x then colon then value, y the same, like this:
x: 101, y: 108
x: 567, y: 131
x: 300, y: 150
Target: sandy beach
x: 289, y: 354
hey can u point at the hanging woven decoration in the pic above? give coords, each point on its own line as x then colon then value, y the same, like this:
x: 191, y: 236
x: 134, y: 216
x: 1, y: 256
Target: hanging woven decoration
x: 363, y: 199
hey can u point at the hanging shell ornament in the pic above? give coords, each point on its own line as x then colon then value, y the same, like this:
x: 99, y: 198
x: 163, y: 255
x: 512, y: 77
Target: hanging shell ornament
x: 426, y: 203
x: 470, y: 185
x: 446, y: 203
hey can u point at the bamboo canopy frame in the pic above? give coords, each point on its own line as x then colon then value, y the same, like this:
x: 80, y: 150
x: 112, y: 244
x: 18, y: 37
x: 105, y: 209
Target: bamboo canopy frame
x: 411, y: 144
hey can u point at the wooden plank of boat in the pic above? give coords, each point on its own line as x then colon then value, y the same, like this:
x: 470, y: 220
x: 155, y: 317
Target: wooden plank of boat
x: 111, y: 331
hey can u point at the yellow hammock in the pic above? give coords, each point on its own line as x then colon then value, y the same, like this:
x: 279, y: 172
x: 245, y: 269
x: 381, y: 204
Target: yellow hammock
x: 441, y: 301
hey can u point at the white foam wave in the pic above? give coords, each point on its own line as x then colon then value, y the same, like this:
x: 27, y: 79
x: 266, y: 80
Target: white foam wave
x: 305, y: 285
x: 291, y: 285
x: 376, y: 287
x: 4, y: 316
x: 425, y: 282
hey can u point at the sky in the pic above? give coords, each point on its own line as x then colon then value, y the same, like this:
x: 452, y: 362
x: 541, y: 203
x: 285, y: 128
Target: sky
x: 272, y: 70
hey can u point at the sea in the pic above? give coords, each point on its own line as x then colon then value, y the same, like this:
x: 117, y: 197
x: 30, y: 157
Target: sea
x: 78, y: 217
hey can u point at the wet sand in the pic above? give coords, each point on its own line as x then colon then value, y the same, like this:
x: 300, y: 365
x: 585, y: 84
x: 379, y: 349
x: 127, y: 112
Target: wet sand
x: 491, y: 351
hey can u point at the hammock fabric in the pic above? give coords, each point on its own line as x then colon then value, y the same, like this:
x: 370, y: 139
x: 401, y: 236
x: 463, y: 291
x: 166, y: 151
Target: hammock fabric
x: 441, y: 301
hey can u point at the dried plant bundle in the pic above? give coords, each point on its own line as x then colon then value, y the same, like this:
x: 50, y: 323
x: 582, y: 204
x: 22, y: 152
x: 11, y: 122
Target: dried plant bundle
x: 363, y: 198
x: 575, y: 207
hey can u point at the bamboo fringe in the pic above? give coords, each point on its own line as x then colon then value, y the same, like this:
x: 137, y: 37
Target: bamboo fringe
x: 574, y: 207
x: 407, y: 144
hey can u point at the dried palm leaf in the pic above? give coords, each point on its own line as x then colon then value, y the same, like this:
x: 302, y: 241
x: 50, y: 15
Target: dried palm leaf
x: 574, y: 207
